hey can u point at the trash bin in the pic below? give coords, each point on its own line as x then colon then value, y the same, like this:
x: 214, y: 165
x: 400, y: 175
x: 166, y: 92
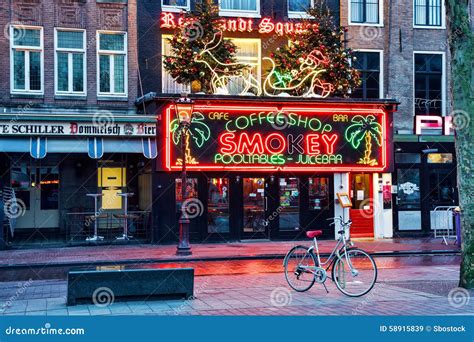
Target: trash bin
x: 457, y: 224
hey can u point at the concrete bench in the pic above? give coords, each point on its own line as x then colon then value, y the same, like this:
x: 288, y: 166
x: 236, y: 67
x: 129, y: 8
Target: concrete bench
x: 99, y: 286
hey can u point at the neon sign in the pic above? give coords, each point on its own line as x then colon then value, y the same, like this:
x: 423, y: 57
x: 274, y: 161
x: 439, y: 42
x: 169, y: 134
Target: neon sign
x: 287, y: 138
x: 264, y: 26
x: 434, y: 124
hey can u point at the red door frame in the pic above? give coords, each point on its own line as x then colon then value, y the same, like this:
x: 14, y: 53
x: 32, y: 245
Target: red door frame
x: 362, y: 220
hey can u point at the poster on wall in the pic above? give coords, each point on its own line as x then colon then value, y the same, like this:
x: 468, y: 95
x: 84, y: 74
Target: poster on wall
x: 266, y: 138
x: 387, y: 196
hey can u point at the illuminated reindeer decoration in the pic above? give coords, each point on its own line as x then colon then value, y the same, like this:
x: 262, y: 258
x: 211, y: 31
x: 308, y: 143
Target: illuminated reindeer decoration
x: 310, y: 69
x: 223, y: 73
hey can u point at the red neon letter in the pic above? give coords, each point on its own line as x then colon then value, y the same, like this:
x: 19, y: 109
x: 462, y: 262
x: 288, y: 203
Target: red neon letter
x: 248, y: 146
x: 330, y: 142
x: 281, y: 143
x: 312, y: 144
x: 426, y: 121
x: 266, y: 26
x: 167, y: 20
x: 228, y: 145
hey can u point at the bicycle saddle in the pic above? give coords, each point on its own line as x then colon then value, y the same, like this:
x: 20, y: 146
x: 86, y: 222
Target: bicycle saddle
x: 314, y: 233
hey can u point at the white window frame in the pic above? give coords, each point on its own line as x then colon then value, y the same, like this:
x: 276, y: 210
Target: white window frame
x: 70, y: 51
x: 443, y: 79
x: 298, y: 14
x: 240, y: 13
x: 381, y: 67
x: 443, y: 19
x: 112, y: 71
x: 27, y: 50
x: 168, y: 8
x: 349, y: 19
x: 165, y: 74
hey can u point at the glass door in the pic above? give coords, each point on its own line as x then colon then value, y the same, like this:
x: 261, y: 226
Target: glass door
x: 218, y: 206
x: 408, y: 216
x: 255, y: 203
x: 289, y: 209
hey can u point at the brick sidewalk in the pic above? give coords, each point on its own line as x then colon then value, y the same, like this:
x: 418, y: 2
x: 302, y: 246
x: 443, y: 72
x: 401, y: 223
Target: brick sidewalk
x: 158, y: 253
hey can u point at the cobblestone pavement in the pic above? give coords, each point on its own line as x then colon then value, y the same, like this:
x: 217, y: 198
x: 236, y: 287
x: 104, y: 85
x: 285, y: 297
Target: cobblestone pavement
x: 405, y: 290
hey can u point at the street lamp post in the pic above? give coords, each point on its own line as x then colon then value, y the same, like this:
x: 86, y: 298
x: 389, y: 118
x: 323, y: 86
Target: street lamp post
x: 184, y: 112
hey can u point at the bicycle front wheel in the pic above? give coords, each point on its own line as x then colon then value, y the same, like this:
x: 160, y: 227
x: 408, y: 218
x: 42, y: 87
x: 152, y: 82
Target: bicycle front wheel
x: 298, y: 265
x: 354, y: 273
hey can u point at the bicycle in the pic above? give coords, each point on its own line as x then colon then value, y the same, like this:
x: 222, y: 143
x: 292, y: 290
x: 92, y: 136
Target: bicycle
x: 353, y: 270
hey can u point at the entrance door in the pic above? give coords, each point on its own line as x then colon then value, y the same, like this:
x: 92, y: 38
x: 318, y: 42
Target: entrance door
x: 407, y: 215
x: 37, y: 192
x: 362, y: 211
x: 289, y: 209
x: 255, y: 224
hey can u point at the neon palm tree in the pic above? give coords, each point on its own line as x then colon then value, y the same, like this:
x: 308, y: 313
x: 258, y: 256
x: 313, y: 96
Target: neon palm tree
x: 364, y: 128
x: 198, y: 130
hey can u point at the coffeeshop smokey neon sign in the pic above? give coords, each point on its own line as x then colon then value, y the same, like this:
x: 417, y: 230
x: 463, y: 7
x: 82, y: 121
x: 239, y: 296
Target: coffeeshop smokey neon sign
x: 267, y: 138
x: 263, y: 26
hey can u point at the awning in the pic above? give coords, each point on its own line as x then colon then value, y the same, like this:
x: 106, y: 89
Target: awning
x: 93, y: 147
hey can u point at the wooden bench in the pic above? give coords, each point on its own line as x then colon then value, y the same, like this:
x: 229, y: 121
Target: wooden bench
x: 89, y: 285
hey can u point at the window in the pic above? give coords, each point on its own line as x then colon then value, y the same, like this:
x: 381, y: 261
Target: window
x: 428, y: 13
x: 365, y: 12
x: 174, y: 5
x: 168, y: 84
x: 218, y: 206
x: 26, y: 58
x: 439, y: 158
x: 112, y: 61
x: 428, y: 84
x: 70, y: 62
x: 369, y: 66
x: 298, y: 6
x: 318, y: 189
x: 241, y: 8
x: 248, y: 52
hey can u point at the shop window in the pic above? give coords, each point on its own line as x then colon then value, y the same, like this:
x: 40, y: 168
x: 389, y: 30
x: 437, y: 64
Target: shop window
x: 440, y: 158
x: 428, y: 12
x: 174, y: 5
x: 368, y: 64
x: 49, y: 186
x: 407, y: 158
x: 442, y: 184
x: 248, y: 52
x: 70, y: 62
x: 428, y: 84
x: 218, y: 206
x: 254, y: 205
x: 239, y: 7
x: 318, y: 188
x: 365, y: 11
x: 408, y: 189
x: 298, y: 7
x: 289, y: 209
x: 21, y: 181
x: 26, y: 59
x: 191, y: 190
x: 112, y: 61
x: 168, y: 83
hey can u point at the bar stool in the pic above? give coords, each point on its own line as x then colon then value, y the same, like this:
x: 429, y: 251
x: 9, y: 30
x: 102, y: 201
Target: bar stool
x: 94, y: 217
x: 125, y: 217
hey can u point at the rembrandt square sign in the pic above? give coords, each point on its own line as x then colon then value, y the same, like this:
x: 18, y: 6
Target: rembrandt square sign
x: 290, y: 137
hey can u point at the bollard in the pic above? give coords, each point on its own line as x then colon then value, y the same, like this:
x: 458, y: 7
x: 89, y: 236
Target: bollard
x: 457, y: 223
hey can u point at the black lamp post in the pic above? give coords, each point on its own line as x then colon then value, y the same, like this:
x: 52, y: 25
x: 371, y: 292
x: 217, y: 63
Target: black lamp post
x: 184, y: 113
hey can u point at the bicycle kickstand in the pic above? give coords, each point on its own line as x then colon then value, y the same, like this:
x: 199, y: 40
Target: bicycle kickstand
x: 324, y: 284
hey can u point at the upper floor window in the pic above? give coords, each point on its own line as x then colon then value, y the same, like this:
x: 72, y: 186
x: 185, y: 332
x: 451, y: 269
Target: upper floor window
x: 239, y: 8
x: 168, y: 83
x: 428, y: 84
x: 298, y: 7
x: 112, y: 61
x: 70, y: 62
x: 248, y: 52
x: 174, y: 5
x: 428, y: 13
x: 369, y: 66
x: 26, y: 59
x: 365, y: 12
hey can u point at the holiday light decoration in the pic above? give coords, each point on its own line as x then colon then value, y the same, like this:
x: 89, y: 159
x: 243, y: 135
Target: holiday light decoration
x: 223, y: 73
x: 364, y: 128
x: 310, y: 69
x: 244, y: 137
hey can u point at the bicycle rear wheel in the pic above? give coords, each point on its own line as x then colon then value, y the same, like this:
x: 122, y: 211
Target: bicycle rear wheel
x: 298, y: 265
x: 358, y: 279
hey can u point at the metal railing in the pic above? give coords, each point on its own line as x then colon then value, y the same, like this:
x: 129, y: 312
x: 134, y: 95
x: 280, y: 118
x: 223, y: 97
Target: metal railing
x: 442, y: 222
x: 110, y: 225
